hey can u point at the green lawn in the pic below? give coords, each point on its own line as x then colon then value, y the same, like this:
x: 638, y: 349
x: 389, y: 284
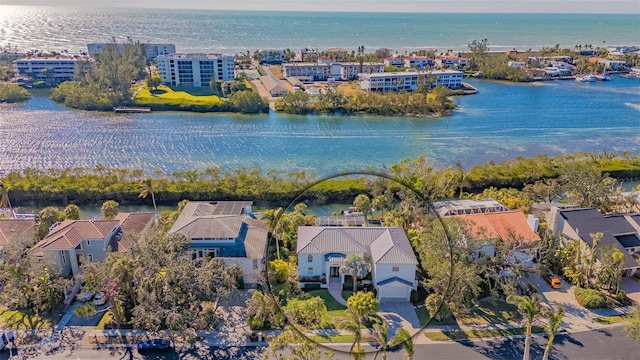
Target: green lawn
x: 335, y: 310
x: 106, y: 319
x: 608, y: 320
x: 176, y: 96
x: 332, y: 338
x: 346, y: 294
x: 22, y: 321
x: 472, y: 334
x: 486, y: 312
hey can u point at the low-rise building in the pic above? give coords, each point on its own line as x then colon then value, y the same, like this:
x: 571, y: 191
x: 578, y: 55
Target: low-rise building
x: 408, y: 80
x: 516, y: 64
x: 195, y: 69
x: 467, y: 206
x: 393, y: 61
x: 12, y: 230
x: 53, y: 69
x: 418, y: 61
x: 315, y: 71
x: 446, y: 60
x: 350, y: 70
x: 133, y: 225
x: 272, y: 56
x: 152, y: 50
x: 273, y: 86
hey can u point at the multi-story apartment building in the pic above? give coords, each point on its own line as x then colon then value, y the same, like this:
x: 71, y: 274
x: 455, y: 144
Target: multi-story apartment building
x: 350, y: 70
x: 153, y: 50
x: 272, y: 56
x: 195, y: 69
x: 52, y: 69
x: 314, y: 71
x: 418, y: 61
x: 408, y: 80
x: 445, y: 60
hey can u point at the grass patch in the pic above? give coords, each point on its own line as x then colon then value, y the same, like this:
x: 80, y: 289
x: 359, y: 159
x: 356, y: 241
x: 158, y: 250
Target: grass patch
x: 473, y: 334
x: 608, y: 320
x: 165, y: 95
x: 346, y: 294
x: 486, y: 312
x: 351, y: 88
x: 331, y: 303
x: 17, y: 320
x: 332, y: 338
x: 107, y: 317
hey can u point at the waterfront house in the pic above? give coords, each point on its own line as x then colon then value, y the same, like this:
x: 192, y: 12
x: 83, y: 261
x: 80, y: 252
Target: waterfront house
x: 73, y: 241
x: 315, y: 71
x: 133, y: 225
x: 227, y: 230
x: 274, y: 86
x: 322, y: 250
x: 620, y: 230
x: 418, y: 62
x: 446, y: 60
x: 393, y: 61
x: 307, y: 54
x: 516, y: 64
x: 467, y: 206
x: 195, y: 69
x: 408, y: 80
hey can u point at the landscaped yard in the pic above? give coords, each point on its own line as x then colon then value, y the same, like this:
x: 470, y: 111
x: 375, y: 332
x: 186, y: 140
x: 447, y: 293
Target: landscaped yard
x: 166, y: 95
x: 335, y: 310
x: 332, y: 338
x: 106, y: 319
x: 608, y: 320
x: 16, y: 320
x: 471, y: 334
x: 486, y: 312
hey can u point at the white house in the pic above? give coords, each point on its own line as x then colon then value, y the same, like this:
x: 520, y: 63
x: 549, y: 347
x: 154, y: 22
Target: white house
x: 58, y: 68
x: 393, y: 61
x: 408, y: 80
x: 314, y: 71
x: 418, y: 61
x: 322, y: 250
x: 350, y: 70
x: 195, y: 69
x: 516, y: 64
x: 445, y: 60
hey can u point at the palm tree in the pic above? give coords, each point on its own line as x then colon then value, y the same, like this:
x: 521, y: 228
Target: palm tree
x: 146, y: 188
x: 363, y: 203
x: 530, y: 308
x: 381, y: 336
x: 354, y: 265
x: 4, y: 196
x: 352, y: 324
x: 554, y: 319
x: 403, y: 339
x: 272, y: 217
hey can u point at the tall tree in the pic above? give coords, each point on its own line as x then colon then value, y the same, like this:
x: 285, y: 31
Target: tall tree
x: 404, y: 340
x: 110, y: 209
x: 363, y: 304
x: 632, y: 328
x: 554, y: 320
x: 45, y: 219
x: 381, y: 336
x: 362, y: 203
x: 72, y: 212
x: 300, y: 347
x: 147, y: 188
x: 530, y: 308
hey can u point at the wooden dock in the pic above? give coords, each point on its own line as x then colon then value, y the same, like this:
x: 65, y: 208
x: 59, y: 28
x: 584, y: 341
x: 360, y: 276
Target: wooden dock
x: 131, y: 110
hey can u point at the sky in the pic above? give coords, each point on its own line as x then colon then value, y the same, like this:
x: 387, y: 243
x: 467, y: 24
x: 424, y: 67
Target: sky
x: 491, y: 6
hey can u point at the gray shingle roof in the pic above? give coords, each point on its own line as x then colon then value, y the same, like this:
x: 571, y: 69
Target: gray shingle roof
x: 385, y: 245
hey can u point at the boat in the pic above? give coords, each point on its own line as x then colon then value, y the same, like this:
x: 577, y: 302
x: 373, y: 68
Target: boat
x: 586, y: 78
x: 603, y: 77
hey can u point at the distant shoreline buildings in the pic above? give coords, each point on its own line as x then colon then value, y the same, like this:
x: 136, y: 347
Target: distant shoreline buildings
x: 195, y: 69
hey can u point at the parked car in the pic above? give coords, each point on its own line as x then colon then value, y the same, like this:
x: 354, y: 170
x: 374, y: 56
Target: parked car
x: 99, y: 299
x: 154, y: 344
x: 4, y: 341
x: 85, y: 296
x: 553, y: 281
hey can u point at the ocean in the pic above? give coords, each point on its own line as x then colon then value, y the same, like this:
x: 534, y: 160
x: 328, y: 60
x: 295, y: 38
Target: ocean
x: 230, y: 32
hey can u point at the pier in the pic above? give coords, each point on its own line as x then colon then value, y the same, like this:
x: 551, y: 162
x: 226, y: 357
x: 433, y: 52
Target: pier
x: 131, y: 110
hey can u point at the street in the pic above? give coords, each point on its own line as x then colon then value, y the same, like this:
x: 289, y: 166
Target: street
x: 599, y: 344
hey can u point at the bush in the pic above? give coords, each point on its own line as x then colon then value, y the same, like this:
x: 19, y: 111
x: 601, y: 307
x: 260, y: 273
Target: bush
x: 414, y: 296
x: 590, y: 298
x: 256, y: 323
x: 309, y: 287
x: 240, y: 283
x: 622, y: 296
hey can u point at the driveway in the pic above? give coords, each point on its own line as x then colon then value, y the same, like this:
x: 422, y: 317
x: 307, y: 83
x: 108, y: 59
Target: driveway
x: 632, y: 287
x: 575, y: 315
x: 399, y: 314
x: 82, y: 321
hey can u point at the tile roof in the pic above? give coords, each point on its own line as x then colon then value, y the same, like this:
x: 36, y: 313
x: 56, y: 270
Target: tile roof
x: 12, y: 230
x: 590, y: 221
x: 70, y: 233
x: 385, y: 245
x: 132, y: 224
x: 506, y: 225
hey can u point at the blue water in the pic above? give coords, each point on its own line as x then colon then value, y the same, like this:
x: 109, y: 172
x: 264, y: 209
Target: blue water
x: 58, y: 28
x: 502, y: 121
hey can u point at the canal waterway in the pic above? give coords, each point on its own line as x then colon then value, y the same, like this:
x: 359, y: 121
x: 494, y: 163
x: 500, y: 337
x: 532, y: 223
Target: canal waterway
x: 502, y: 121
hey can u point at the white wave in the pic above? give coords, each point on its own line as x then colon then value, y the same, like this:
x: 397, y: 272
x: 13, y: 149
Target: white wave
x: 632, y: 105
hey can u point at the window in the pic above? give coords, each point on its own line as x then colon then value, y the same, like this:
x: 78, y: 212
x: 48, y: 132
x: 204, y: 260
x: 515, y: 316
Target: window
x: 310, y: 258
x: 310, y: 270
x: 88, y: 242
x: 89, y: 258
x: 64, y: 259
x: 395, y: 268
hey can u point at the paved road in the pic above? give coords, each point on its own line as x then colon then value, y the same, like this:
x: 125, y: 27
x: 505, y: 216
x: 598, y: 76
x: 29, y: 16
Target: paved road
x: 590, y: 345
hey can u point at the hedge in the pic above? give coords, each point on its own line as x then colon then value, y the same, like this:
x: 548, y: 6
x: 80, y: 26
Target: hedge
x: 590, y: 298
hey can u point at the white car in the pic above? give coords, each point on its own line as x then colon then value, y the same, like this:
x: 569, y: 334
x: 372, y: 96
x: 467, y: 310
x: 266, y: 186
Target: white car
x: 99, y: 299
x: 85, y: 296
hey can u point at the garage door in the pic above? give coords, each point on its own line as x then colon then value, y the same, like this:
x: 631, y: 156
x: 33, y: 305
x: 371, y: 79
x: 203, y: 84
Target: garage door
x: 392, y: 291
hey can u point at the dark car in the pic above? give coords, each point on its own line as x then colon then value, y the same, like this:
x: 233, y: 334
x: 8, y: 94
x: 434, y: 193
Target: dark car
x: 154, y: 344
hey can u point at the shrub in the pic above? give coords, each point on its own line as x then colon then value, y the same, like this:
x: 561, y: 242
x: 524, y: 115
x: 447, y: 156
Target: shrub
x: 309, y: 287
x: 240, y: 283
x: 622, y: 296
x: 256, y: 323
x: 414, y: 296
x: 590, y: 298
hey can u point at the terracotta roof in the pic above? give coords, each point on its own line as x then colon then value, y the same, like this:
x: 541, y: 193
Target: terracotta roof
x: 132, y: 224
x: 70, y: 233
x: 12, y: 230
x: 506, y: 225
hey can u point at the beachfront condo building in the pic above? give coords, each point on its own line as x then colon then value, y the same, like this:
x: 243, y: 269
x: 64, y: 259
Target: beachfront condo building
x: 409, y: 80
x: 153, y: 50
x: 53, y: 69
x: 195, y: 69
x: 325, y: 68
x: 315, y: 71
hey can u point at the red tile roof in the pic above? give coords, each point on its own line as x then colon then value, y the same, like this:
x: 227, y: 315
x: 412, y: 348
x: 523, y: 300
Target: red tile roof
x: 12, y: 230
x: 506, y: 225
x: 70, y: 233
